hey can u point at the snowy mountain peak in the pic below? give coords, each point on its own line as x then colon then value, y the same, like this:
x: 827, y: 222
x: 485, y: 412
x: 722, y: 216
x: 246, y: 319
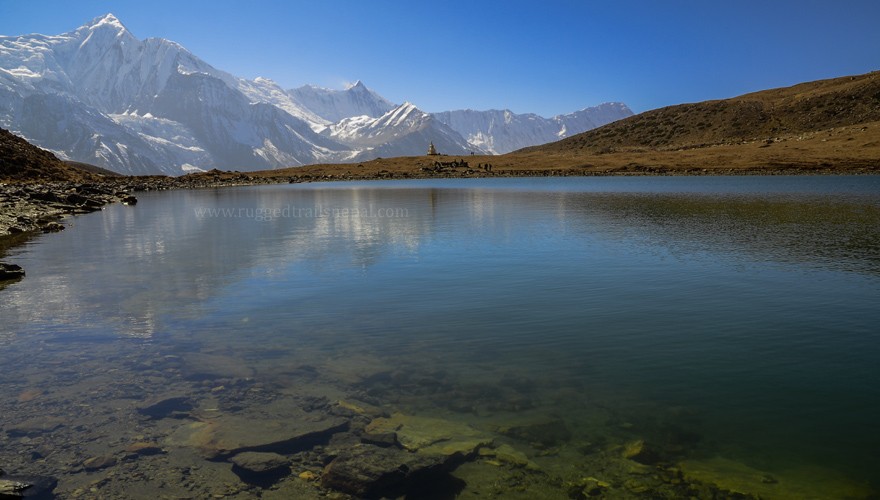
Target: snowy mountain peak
x: 503, y: 131
x: 101, y: 32
x: 407, y: 107
x: 335, y: 105
x: 404, y: 130
x: 406, y: 112
x: 106, y: 21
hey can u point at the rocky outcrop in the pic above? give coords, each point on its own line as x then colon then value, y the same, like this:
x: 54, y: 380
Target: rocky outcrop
x: 39, y: 207
x: 10, y: 272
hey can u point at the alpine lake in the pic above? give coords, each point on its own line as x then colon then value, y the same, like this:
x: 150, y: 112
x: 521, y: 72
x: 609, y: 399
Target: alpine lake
x: 553, y: 338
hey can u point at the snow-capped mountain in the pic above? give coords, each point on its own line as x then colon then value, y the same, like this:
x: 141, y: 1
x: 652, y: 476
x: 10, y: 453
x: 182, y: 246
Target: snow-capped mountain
x: 402, y: 131
x: 100, y: 95
x: 502, y: 131
x: 335, y: 105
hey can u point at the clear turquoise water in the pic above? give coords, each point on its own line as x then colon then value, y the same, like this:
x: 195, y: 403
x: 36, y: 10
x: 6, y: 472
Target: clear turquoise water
x: 743, y: 311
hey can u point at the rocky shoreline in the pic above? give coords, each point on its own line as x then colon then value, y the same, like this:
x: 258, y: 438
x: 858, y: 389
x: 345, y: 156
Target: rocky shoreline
x: 29, y: 209
x: 40, y: 207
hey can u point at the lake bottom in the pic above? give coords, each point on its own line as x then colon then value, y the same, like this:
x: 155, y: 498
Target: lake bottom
x: 526, y: 339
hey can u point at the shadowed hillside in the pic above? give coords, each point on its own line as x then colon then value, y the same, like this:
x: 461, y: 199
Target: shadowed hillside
x: 20, y: 161
x: 765, y: 115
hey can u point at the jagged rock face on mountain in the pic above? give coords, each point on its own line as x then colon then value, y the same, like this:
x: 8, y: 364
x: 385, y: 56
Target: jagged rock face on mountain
x: 334, y: 105
x: 100, y: 95
x: 402, y: 131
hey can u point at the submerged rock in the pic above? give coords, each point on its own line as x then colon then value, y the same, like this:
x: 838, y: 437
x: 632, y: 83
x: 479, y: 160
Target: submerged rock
x: 429, y: 435
x: 144, y: 448
x: 383, y: 440
x: 588, y: 487
x: 295, y: 488
x: 367, y: 471
x: 540, y: 431
x: 167, y: 406
x: 98, y: 463
x: 736, y: 478
x: 232, y: 435
x: 641, y: 452
x: 258, y: 468
x: 254, y: 461
x: 35, y: 426
x: 405, y: 455
x: 506, y: 454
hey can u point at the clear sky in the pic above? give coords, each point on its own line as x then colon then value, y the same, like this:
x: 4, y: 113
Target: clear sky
x: 545, y: 57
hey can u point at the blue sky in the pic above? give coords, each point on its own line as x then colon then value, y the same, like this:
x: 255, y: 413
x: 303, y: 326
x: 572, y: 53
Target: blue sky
x: 547, y: 57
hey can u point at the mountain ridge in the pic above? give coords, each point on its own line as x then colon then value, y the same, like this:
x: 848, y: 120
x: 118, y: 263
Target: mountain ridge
x: 809, y: 144
x: 99, y: 95
x: 503, y: 131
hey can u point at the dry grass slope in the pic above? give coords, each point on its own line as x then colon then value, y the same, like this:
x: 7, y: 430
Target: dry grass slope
x: 804, y: 108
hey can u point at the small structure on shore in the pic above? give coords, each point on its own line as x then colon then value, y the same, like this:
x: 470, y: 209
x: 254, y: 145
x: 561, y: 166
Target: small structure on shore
x: 432, y: 151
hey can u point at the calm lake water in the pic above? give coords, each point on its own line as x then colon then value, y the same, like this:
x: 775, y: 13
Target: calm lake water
x: 734, y: 317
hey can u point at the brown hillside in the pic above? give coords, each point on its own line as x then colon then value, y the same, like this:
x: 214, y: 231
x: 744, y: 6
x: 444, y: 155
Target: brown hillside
x: 804, y: 108
x: 88, y: 167
x: 20, y: 161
